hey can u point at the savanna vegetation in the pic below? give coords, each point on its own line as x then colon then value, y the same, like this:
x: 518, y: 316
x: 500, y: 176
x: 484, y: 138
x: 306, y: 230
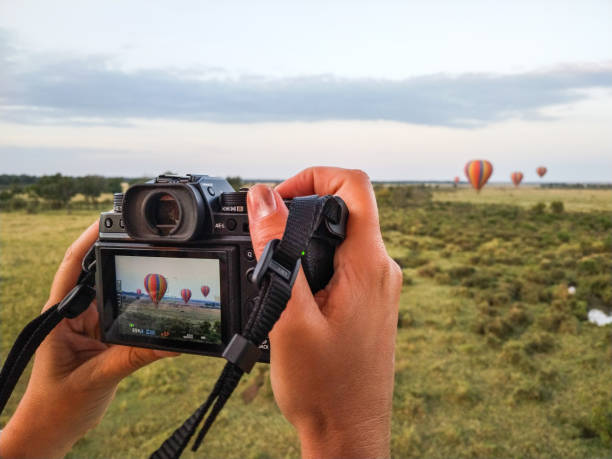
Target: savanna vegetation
x: 494, y: 357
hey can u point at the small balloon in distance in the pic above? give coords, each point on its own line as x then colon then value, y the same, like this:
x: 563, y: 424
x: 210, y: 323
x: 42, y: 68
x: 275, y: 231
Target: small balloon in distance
x: 517, y: 178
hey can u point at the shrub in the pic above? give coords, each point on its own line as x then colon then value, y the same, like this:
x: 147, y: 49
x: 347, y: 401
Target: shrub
x: 412, y: 260
x: 540, y: 342
x: 563, y: 236
x: 531, y: 391
x: 460, y: 272
x: 429, y: 270
x: 480, y: 280
x: 539, y: 208
x: 17, y: 203
x: 557, y: 207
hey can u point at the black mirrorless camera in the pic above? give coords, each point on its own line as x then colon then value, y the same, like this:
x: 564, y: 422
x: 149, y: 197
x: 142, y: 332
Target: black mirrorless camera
x: 174, y: 259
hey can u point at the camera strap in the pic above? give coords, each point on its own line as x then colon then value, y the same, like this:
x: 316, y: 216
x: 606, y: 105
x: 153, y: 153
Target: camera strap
x: 275, y: 274
x: 73, y: 304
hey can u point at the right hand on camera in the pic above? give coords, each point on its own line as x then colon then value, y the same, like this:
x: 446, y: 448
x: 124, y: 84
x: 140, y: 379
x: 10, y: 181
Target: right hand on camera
x: 332, y: 358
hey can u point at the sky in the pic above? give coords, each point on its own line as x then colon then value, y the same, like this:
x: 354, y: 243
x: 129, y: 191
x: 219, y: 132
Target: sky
x: 402, y: 90
x: 180, y: 273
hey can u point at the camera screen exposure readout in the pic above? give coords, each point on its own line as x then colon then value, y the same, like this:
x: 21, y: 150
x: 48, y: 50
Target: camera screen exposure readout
x: 173, y: 298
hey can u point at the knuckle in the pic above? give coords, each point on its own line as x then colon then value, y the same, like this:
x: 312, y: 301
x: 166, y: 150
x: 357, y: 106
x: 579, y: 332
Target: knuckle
x: 396, y: 273
x: 360, y: 176
x: 135, y: 358
x: 70, y: 255
x: 391, y: 274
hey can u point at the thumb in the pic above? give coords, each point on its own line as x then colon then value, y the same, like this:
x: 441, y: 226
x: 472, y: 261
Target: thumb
x: 267, y: 216
x: 117, y: 362
x: 267, y: 220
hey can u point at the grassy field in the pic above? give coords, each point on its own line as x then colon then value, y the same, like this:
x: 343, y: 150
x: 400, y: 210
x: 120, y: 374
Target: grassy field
x: 493, y: 359
x: 527, y: 196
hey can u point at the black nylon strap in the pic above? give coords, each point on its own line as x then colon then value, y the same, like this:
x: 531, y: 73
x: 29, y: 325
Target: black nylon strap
x: 20, y: 354
x: 73, y: 304
x: 304, y: 217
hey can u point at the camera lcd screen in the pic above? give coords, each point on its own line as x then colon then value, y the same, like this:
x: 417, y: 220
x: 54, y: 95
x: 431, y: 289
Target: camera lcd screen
x: 177, y: 299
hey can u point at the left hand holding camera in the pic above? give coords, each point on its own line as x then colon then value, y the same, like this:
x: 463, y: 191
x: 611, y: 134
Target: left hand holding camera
x: 74, y: 376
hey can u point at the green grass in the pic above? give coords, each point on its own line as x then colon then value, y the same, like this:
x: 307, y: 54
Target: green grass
x: 527, y: 196
x: 493, y: 358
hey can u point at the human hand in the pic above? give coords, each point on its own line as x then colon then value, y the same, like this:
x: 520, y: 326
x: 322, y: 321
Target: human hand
x: 332, y: 355
x: 74, y: 376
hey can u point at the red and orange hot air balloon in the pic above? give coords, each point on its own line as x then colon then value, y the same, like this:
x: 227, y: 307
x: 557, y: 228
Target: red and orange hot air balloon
x: 478, y: 172
x: 516, y: 177
x: 138, y: 293
x: 457, y: 180
x: 155, y: 285
x: 541, y: 171
x: 186, y: 295
x: 205, y: 290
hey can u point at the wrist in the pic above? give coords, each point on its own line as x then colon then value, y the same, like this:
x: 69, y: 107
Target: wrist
x: 31, y: 433
x: 364, y: 438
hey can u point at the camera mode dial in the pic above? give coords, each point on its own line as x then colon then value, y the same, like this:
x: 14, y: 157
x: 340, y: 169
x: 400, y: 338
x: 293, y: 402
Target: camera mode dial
x: 233, y: 201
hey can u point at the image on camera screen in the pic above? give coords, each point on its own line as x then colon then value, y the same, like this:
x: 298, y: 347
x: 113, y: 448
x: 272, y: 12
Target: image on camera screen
x: 171, y: 298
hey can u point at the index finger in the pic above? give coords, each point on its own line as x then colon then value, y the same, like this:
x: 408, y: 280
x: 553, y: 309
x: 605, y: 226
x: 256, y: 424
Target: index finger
x: 70, y: 268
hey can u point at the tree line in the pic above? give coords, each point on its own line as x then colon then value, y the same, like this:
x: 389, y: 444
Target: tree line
x: 56, y: 191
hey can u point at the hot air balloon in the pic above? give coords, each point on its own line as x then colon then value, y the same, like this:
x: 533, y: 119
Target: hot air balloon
x: 457, y: 180
x: 205, y: 290
x: 138, y: 293
x: 478, y: 172
x: 516, y: 178
x: 155, y: 285
x: 185, y: 295
x: 541, y: 171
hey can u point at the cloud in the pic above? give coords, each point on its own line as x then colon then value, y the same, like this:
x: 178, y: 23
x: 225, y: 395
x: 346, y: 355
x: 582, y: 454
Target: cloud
x: 53, y: 89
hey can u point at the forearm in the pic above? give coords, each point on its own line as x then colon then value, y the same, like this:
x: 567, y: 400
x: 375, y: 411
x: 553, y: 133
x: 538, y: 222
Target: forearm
x: 363, y: 439
x: 32, y: 432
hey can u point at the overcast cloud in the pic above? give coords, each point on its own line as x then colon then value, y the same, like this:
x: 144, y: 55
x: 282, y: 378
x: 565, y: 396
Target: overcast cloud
x: 73, y: 90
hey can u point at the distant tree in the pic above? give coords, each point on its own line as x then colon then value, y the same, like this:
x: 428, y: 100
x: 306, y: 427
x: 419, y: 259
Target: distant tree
x: 6, y: 179
x: 91, y: 186
x: 235, y: 182
x: 113, y: 184
x: 57, y: 189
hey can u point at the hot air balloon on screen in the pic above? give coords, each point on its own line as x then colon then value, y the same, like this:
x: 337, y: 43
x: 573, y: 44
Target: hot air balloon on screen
x: 541, y: 171
x: 457, y: 180
x: 138, y: 293
x: 186, y: 295
x: 516, y: 177
x: 205, y: 290
x: 478, y: 172
x: 155, y: 285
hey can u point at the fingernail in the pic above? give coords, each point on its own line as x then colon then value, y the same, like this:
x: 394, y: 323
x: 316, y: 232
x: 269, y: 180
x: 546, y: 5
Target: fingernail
x: 261, y: 202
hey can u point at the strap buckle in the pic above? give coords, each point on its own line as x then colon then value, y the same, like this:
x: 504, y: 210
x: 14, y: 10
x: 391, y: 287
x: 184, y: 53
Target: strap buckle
x: 268, y: 263
x: 242, y: 353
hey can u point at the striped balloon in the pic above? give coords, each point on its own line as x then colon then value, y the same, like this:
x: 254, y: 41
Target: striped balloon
x: 155, y: 285
x: 516, y: 177
x: 478, y: 172
x: 205, y: 290
x: 185, y: 295
x: 541, y: 171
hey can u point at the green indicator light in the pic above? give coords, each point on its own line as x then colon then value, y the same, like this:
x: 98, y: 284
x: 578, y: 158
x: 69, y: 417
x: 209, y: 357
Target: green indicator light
x: 131, y: 325
x: 303, y: 253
